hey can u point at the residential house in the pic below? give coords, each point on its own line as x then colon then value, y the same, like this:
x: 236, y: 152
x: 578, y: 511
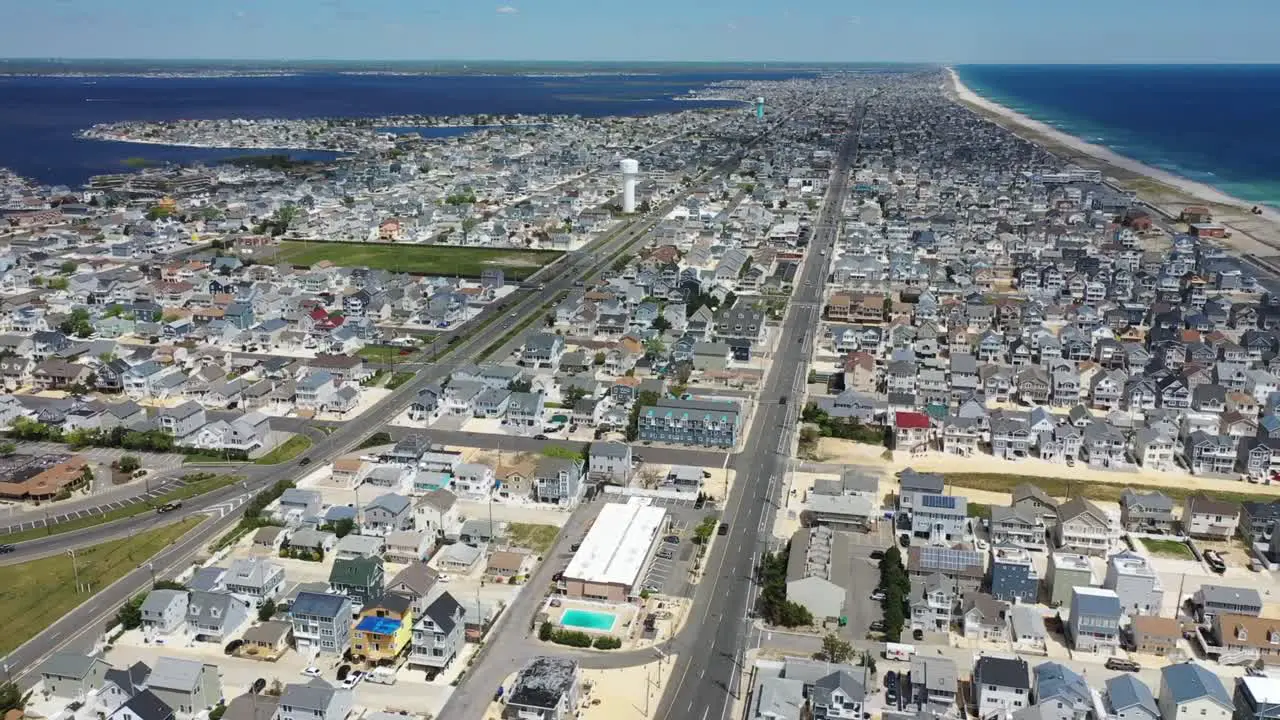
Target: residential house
x: 1018, y: 526
x: 438, y: 634
x: 1207, y: 517
x: 360, y: 578
x: 386, y: 514
x: 383, y: 629
x: 164, y: 612
x: 1013, y: 575
x: 1128, y: 698
x: 215, y: 616
x: 321, y: 623
x: 73, y: 676
x: 545, y: 689
x: 1094, y: 625
x: 1000, y: 685
x: 1067, y: 571
x: 189, y: 687
x: 1211, y: 600
x: 254, y: 580
x: 314, y: 700
x: 1190, y: 690
x: 558, y: 481
x: 1146, y: 512
x: 1155, y: 635
x: 1084, y: 528
x: 1135, y: 582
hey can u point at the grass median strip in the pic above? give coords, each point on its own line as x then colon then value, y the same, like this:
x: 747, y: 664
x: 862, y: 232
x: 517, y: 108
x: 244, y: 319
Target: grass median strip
x: 195, y: 487
x: 533, y: 317
x: 35, y: 594
x: 398, y: 379
x: 1091, y: 489
x: 422, y: 259
x: 285, y: 451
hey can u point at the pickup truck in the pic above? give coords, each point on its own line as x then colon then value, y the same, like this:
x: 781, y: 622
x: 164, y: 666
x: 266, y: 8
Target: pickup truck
x: 381, y: 676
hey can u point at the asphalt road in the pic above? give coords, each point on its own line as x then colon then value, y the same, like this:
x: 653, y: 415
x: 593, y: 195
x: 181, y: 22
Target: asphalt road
x: 705, y: 679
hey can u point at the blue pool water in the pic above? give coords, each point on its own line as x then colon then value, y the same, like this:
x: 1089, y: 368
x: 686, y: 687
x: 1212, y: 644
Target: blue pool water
x: 588, y: 620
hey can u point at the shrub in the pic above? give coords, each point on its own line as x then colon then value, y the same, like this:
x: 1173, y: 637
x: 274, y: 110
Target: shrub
x: 607, y: 642
x: 572, y: 638
x: 545, y: 631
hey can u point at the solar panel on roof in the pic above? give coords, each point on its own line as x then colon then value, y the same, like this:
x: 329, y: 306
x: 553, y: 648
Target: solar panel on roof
x: 939, y: 501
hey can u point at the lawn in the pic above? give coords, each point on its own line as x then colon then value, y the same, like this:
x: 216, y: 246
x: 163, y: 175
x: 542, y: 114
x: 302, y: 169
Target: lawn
x: 190, y: 490
x: 285, y: 451
x: 398, y: 379
x: 35, y: 594
x: 1168, y: 548
x: 420, y: 259
x: 1092, y: 489
x: 384, y: 354
x: 538, y: 538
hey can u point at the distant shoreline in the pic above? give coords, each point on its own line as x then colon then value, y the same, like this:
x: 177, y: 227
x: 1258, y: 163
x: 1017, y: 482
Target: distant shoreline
x: 1160, y: 188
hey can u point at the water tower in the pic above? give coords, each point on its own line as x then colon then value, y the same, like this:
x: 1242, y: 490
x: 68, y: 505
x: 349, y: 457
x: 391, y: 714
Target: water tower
x: 630, y: 169
x: 759, y: 108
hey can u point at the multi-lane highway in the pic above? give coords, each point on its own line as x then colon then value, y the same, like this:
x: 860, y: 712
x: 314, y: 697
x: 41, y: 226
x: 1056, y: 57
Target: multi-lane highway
x: 705, y: 679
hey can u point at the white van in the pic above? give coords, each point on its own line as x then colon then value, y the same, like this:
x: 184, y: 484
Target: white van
x: 382, y: 676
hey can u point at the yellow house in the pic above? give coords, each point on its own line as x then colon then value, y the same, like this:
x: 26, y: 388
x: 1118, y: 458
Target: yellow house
x: 384, y: 628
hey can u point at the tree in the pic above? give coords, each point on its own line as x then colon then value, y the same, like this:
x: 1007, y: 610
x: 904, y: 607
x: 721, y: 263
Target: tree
x: 342, y: 527
x: 267, y: 611
x: 522, y: 386
x: 7, y: 449
x: 661, y: 324
x: 545, y: 631
x: 68, y: 266
x: 128, y: 463
x: 573, y: 394
x: 468, y: 224
x: 12, y: 697
x: 654, y: 346
x: 168, y: 585
x: 129, y: 616
x: 598, y: 359
x: 836, y: 650
x: 57, y: 283
x: 646, y: 397
x: 275, y: 689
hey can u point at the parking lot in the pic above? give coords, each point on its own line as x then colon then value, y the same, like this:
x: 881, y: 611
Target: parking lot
x: 858, y: 574
x: 670, y: 576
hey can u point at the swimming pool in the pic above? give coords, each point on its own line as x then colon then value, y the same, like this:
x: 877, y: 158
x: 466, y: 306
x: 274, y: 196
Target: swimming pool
x: 588, y: 620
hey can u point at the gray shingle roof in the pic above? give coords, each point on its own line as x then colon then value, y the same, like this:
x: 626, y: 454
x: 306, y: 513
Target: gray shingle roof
x: 1188, y: 681
x: 1126, y: 691
x: 1004, y: 672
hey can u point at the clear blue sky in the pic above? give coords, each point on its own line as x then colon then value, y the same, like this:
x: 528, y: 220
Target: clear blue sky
x: 948, y: 31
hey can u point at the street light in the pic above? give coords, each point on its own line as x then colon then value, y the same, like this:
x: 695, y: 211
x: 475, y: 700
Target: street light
x: 75, y: 567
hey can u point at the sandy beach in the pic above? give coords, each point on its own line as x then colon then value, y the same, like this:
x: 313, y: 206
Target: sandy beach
x: 1256, y: 234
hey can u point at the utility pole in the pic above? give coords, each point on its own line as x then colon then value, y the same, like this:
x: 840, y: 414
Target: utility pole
x: 75, y: 568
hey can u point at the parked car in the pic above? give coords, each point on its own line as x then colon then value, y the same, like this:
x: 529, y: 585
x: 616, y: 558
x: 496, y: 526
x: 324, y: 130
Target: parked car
x: 232, y: 647
x: 723, y: 529
x: 905, y: 541
x: 343, y: 672
x: 1122, y: 665
x: 258, y: 685
x: 1215, y: 561
x: 673, y: 539
x: 878, y: 595
x: 876, y: 626
x: 877, y: 554
x: 352, y: 680
x: 312, y: 671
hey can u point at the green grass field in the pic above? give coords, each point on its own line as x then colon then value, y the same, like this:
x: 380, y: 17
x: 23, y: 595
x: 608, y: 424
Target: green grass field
x: 1167, y: 548
x: 190, y: 490
x: 538, y: 538
x: 397, y: 380
x: 421, y: 259
x: 285, y: 451
x: 35, y: 594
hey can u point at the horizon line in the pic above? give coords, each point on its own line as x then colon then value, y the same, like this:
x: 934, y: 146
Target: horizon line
x: 339, y: 61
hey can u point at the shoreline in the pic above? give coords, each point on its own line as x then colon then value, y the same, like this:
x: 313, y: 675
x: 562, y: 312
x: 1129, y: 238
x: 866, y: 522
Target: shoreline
x: 1161, y: 189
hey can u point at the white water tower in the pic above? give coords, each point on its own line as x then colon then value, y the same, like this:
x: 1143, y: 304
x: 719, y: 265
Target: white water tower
x: 630, y: 169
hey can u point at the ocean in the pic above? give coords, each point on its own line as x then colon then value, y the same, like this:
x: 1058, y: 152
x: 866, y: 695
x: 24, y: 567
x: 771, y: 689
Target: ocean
x: 1214, y: 124
x: 41, y: 114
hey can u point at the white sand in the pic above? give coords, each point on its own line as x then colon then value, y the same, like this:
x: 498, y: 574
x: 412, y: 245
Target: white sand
x: 1200, y: 191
